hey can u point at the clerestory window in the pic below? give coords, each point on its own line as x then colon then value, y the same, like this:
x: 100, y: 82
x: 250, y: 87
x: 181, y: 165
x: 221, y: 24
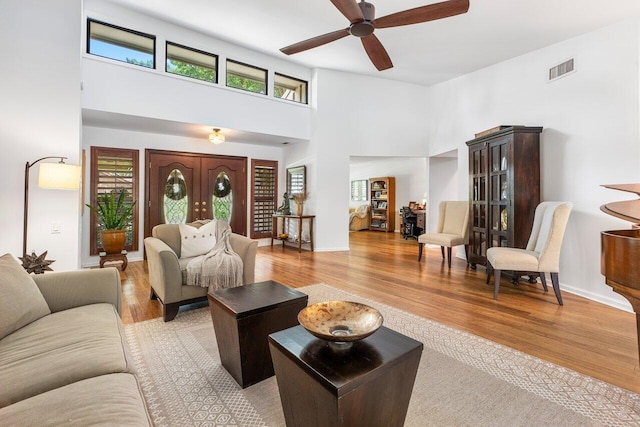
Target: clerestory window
x: 193, y: 63
x: 246, y: 77
x: 290, y: 88
x: 120, y: 44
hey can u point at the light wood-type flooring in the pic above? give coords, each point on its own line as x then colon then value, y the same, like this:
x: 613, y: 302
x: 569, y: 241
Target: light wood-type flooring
x: 583, y: 335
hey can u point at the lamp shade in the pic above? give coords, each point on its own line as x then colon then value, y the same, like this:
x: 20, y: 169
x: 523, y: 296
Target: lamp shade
x: 60, y: 176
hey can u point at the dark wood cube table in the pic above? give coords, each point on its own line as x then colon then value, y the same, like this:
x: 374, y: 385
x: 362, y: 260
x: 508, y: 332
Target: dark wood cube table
x: 243, y: 317
x: 368, y: 384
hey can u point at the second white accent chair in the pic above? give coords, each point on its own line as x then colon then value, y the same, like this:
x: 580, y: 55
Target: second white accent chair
x: 542, y: 254
x: 453, y: 228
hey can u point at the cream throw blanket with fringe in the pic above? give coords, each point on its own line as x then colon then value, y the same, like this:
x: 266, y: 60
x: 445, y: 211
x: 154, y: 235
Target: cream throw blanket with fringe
x: 221, y: 268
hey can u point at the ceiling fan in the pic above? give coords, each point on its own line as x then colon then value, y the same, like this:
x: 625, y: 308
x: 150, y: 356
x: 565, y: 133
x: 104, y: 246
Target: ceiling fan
x: 363, y: 23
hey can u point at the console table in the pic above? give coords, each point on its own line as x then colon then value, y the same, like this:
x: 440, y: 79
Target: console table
x: 275, y: 234
x: 367, y: 384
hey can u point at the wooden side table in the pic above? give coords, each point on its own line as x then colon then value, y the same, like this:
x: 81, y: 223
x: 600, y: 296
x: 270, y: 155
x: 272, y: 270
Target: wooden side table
x: 275, y: 234
x: 243, y: 317
x: 114, y: 258
x: 368, y: 384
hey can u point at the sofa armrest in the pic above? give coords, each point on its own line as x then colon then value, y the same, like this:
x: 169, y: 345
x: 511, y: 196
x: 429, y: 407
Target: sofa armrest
x: 247, y: 249
x: 164, y: 270
x: 67, y: 289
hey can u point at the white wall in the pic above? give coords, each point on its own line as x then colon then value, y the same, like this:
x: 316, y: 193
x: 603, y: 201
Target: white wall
x: 409, y: 174
x: 128, y: 89
x: 355, y: 115
x: 590, y: 137
x: 103, y: 137
x: 40, y: 110
x: 443, y: 185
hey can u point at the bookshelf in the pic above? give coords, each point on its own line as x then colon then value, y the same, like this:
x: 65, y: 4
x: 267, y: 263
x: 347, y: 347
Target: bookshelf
x: 383, y: 204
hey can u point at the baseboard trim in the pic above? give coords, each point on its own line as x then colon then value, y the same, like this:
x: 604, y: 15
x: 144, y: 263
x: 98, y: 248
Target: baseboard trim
x: 612, y: 302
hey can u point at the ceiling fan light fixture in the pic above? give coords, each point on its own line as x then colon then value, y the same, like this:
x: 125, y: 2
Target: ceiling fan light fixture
x: 216, y: 137
x: 361, y: 29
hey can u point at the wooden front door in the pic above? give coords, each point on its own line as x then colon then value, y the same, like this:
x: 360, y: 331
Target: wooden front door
x: 184, y: 187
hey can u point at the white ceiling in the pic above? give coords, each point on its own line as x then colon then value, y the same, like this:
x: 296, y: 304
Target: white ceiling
x: 490, y: 32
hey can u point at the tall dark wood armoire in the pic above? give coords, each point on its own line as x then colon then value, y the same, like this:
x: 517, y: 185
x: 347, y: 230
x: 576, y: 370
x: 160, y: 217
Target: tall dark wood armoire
x: 504, y: 189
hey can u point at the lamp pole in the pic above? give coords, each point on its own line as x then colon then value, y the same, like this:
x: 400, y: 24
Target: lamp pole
x: 26, y: 198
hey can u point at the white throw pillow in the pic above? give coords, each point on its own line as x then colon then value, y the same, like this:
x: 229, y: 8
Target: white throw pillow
x: 197, y: 241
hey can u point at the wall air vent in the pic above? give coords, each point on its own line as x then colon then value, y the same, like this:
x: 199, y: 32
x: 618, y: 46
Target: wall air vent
x: 561, y: 69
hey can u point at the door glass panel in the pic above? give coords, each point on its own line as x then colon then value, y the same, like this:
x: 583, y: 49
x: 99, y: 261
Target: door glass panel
x: 495, y: 158
x: 176, y: 200
x: 222, y: 198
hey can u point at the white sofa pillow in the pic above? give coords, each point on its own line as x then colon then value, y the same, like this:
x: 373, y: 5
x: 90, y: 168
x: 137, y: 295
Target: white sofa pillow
x: 197, y: 241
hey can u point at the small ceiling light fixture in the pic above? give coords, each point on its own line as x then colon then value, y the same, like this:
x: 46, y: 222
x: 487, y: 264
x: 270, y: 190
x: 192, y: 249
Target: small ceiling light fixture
x: 216, y: 137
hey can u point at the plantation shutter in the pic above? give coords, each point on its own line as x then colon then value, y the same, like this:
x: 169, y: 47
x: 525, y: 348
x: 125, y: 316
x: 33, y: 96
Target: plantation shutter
x: 114, y: 170
x: 264, y: 189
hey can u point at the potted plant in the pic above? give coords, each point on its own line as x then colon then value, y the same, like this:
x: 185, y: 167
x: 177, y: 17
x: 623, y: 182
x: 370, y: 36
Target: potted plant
x: 113, y: 214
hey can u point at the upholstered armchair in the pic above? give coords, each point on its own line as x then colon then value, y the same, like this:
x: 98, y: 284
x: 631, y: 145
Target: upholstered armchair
x: 542, y: 254
x: 359, y: 218
x: 453, y: 228
x: 167, y: 267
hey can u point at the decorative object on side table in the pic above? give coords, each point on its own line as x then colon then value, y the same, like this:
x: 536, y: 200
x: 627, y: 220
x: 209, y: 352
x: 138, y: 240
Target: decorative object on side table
x: 284, y: 208
x: 340, y: 321
x: 299, y: 198
x: 114, y: 215
x: 36, y: 264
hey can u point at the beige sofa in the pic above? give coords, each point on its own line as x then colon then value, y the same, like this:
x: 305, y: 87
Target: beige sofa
x: 166, y: 267
x: 64, y: 359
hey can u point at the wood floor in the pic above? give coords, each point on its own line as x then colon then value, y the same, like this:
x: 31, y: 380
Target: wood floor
x: 583, y: 335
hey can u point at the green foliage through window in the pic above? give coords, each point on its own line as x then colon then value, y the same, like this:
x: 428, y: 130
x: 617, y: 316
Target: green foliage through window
x: 246, y: 77
x: 192, y: 63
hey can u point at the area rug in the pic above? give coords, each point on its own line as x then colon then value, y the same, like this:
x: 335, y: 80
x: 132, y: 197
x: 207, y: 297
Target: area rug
x: 463, y: 380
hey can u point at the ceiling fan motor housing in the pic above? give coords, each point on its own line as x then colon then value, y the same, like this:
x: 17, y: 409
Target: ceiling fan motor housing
x: 364, y: 28
x: 368, y: 10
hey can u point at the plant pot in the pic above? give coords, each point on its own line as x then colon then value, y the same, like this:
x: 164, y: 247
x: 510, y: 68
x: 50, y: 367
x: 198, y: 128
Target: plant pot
x: 113, y: 241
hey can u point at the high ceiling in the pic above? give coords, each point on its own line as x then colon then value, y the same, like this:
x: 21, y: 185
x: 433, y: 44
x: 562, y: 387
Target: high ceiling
x: 490, y: 32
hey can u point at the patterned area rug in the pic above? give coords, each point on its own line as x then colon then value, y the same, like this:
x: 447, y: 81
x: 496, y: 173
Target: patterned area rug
x: 462, y: 379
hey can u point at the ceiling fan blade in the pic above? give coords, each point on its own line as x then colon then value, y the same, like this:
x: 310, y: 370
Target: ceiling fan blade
x: 350, y: 9
x: 426, y: 13
x: 315, y: 42
x: 377, y: 53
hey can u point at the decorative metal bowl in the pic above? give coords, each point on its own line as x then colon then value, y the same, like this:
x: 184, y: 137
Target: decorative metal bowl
x: 340, y: 321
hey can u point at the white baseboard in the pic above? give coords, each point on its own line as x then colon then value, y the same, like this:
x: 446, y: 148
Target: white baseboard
x: 612, y: 302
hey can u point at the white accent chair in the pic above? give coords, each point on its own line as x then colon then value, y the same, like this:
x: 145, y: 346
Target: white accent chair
x: 542, y: 254
x: 453, y: 228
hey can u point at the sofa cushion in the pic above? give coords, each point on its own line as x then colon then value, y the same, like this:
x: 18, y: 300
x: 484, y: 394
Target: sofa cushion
x: 20, y: 299
x: 105, y: 400
x: 197, y: 241
x: 60, y: 349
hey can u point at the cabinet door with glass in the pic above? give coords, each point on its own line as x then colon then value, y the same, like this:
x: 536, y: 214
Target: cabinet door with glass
x: 478, y: 155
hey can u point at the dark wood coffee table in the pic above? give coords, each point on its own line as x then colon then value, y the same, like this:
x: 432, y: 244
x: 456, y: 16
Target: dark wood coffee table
x: 368, y: 384
x: 243, y: 317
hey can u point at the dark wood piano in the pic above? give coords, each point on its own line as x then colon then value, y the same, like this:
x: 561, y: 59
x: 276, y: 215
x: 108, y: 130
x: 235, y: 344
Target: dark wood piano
x: 620, y: 257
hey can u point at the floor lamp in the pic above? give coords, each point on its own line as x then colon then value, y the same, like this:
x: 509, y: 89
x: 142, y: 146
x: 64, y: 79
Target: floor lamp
x: 60, y: 176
